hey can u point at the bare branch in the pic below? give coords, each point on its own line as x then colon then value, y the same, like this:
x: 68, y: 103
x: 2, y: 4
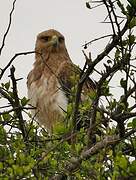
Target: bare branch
x: 17, y: 108
x: 8, y: 28
x: 109, y: 14
x: 96, y: 39
x: 16, y: 104
x: 6, y: 96
x: 12, y: 59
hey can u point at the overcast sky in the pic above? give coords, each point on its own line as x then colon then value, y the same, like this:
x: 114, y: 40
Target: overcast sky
x: 71, y: 17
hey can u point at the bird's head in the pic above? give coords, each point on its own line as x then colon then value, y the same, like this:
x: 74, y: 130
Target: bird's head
x: 50, y: 41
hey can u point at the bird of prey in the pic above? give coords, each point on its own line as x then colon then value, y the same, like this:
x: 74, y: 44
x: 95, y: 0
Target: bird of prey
x: 50, y: 81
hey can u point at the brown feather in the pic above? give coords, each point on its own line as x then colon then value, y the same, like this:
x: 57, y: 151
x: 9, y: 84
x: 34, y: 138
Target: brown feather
x: 49, y: 82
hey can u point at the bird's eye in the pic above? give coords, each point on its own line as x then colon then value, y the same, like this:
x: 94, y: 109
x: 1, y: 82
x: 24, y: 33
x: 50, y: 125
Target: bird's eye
x: 45, y: 38
x: 61, y: 39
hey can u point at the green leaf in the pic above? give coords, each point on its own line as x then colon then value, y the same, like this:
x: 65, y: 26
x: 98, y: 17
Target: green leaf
x: 60, y: 128
x: 92, y: 94
x: 133, y: 167
x: 129, y: 124
x: 105, y: 91
x: 134, y: 123
x: 117, y: 55
x: 132, y: 23
x: 6, y: 117
x: 7, y: 85
x: 2, y: 135
x: 10, y: 171
x: 69, y: 108
x: 122, y: 162
x: 113, y: 104
x: 78, y: 147
x: 22, y: 157
x: 121, y: 107
x: 17, y: 170
x: 131, y: 39
x: 124, y: 43
x: 24, y: 101
x: 1, y: 165
x: 4, y: 152
x: 53, y: 163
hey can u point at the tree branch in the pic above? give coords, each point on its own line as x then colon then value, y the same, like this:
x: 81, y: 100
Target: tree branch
x: 8, y: 28
x: 75, y: 163
x: 85, y: 75
x: 96, y: 39
x: 15, y: 109
x: 16, y: 104
x: 6, y: 96
x: 12, y: 59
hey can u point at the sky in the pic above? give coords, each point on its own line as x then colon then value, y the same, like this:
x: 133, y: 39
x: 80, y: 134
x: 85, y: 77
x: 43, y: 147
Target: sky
x: 71, y: 17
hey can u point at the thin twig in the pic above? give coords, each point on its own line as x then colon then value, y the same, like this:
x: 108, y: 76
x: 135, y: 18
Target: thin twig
x: 8, y: 28
x: 96, y: 39
x: 12, y: 59
x: 6, y: 96
x: 110, y: 17
x: 16, y: 108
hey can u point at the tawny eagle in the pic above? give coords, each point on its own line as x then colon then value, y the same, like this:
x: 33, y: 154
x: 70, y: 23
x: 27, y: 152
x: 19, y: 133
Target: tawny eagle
x: 49, y: 82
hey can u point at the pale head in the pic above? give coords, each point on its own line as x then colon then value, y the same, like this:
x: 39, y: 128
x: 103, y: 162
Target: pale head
x: 50, y: 41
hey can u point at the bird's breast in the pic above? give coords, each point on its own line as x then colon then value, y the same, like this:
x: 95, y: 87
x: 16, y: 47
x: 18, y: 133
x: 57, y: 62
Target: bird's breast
x: 49, y: 99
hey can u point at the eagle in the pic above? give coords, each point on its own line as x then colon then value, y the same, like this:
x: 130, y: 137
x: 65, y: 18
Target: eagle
x: 50, y: 82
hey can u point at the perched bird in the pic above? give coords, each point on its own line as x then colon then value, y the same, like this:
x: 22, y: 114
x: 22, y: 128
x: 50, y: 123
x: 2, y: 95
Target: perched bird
x: 50, y: 81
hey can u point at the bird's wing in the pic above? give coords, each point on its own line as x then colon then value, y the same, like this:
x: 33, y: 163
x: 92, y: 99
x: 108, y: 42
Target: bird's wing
x: 68, y: 76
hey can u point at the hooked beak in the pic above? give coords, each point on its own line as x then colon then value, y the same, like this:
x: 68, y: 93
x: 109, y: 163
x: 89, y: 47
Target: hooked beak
x: 54, y: 41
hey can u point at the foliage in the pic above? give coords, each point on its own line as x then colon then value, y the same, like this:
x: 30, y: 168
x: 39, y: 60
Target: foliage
x: 106, y: 147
